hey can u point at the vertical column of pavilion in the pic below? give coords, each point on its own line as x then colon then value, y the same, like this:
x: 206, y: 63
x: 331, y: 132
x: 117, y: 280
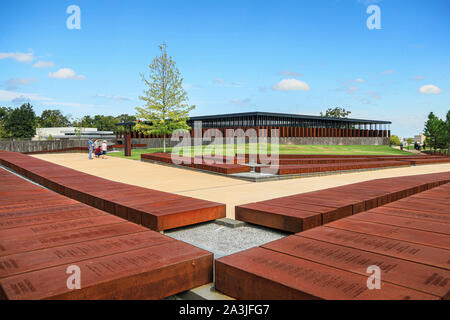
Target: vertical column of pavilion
x: 127, y: 142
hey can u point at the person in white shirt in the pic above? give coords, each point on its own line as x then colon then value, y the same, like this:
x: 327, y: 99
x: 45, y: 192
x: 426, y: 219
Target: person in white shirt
x: 104, y: 149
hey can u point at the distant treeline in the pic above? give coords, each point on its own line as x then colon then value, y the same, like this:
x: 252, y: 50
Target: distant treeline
x: 22, y: 122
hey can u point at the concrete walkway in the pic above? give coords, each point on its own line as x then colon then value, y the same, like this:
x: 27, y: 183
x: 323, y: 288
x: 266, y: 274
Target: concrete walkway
x: 211, y: 187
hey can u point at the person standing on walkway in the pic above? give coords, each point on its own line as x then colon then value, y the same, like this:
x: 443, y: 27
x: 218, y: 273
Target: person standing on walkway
x: 104, y: 148
x: 90, y: 147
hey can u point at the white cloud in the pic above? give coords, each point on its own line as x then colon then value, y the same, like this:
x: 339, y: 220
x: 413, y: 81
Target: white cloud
x: 71, y: 104
x: 222, y: 83
x: 359, y: 80
x: 241, y: 102
x: 14, y: 83
x: 112, y: 97
x: 21, y: 100
x: 430, y: 89
x: 287, y: 73
x: 218, y: 81
x: 418, y: 78
x: 6, y: 95
x: 291, y: 85
x: 20, y: 97
x: 66, y: 73
x: 43, y: 64
x: 18, y: 56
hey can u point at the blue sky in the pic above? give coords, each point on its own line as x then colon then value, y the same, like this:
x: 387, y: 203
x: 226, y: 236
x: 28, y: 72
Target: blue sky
x: 235, y: 56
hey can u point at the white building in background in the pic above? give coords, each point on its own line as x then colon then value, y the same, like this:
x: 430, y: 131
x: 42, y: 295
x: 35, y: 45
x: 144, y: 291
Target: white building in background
x: 71, y: 133
x: 420, y: 138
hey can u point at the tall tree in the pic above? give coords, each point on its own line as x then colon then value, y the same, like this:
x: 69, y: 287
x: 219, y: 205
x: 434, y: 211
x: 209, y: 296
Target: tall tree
x: 335, y: 113
x: 447, y: 123
x: 21, y: 122
x: 53, y: 119
x: 165, y: 108
x: 436, y: 132
x: 4, y: 115
x: 105, y: 123
x: 84, y: 122
x: 394, y: 140
x: 126, y: 118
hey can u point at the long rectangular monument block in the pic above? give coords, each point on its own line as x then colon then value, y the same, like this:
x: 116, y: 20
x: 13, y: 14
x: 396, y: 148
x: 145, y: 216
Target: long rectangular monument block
x: 393, y: 270
x: 404, y: 222
x: 412, y: 213
x: 294, y: 213
x: 53, y: 215
x: 149, y: 273
x: 134, y: 203
x: 279, y: 217
x: 411, y: 250
x: 117, y: 259
x: 40, y: 259
x: 260, y: 273
x: 427, y: 238
x: 419, y: 253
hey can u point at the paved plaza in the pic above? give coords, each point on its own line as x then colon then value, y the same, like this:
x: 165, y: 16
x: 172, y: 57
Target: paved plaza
x: 232, y: 192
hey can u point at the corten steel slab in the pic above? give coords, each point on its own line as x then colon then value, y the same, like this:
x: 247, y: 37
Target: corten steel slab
x: 282, y: 218
x: 404, y: 222
x: 428, y: 161
x: 435, y: 194
x: 422, y: 205
x: 34, y: 247
x: 33, y: 231
x: 412, y: 275
x: 328, y: 213
x: 411, y: 213
x: 311, y: 168
x: 333, y: 198
x: 51, y: 217
x: 119, y: 205
x: 427, y: 238
x: 390, y: 247
x: 122, y: 207
x: 150, y: 273
x: 85, y: 188
x: 298, y: 161
x: 342, y: 201
x: 260, y: 273
x: 40, y: 259
x: 174, y: 217
x: 42, y: 202
x: 210, y: 164
x: 11, y: 246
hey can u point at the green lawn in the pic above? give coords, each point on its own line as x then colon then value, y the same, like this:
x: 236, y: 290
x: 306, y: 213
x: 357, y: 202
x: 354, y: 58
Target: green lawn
x: 288, y: 149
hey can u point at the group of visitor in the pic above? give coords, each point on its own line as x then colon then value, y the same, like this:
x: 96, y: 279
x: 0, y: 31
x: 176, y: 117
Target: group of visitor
x: 418, y: 147
x: 99, y: 150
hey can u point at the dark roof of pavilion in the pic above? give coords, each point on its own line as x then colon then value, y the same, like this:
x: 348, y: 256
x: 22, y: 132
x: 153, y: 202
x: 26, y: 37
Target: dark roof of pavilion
x: 283, y: 115
x: 273, y: 114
